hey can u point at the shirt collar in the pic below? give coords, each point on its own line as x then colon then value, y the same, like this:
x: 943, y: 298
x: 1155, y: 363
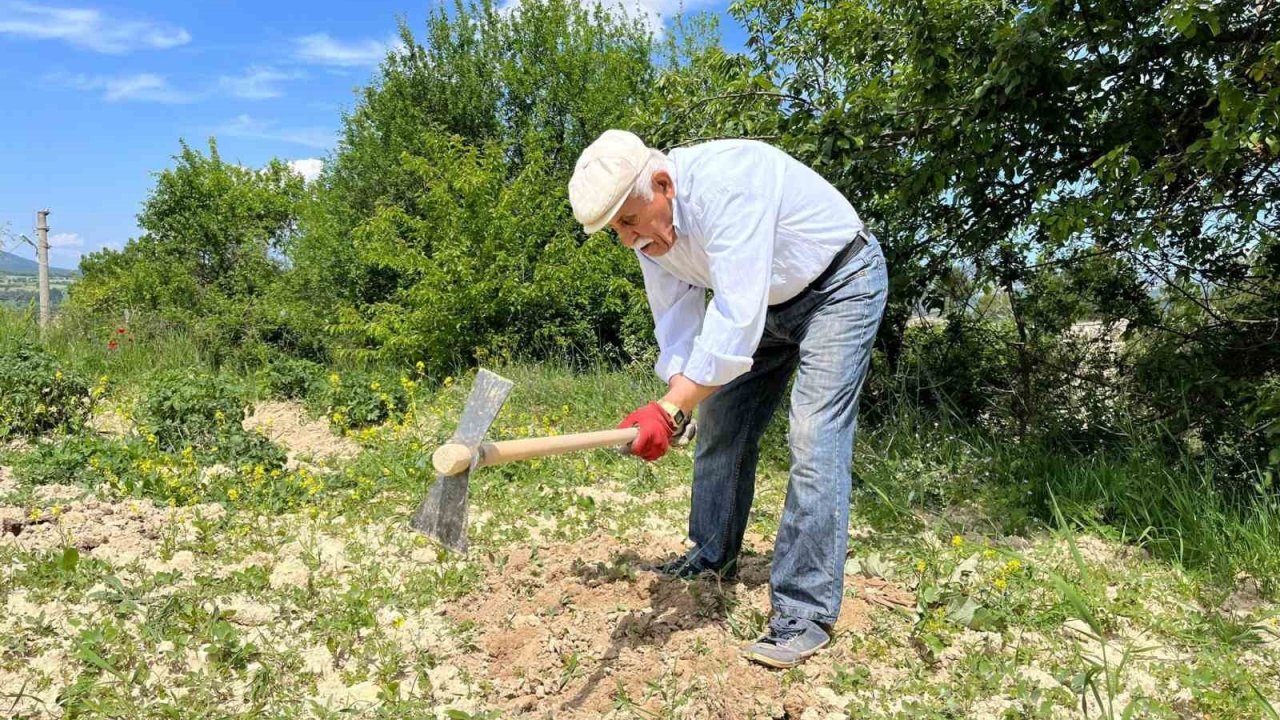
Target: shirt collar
x: 675, y: 201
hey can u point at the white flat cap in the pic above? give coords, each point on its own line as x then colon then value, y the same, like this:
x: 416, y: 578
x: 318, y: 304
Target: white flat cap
x: 603, y: 178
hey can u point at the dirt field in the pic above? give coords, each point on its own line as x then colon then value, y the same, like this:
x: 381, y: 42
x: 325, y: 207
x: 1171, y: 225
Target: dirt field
x: 213, y: 611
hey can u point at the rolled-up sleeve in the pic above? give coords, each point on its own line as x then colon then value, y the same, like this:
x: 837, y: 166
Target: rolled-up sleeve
x: 741, y: 225
x: 677, y: 310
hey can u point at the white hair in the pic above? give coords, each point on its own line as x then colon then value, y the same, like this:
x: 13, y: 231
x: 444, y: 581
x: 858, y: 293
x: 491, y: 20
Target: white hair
x: 644, y: 181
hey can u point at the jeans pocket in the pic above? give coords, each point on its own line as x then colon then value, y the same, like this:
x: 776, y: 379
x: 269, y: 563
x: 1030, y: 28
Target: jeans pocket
x: 868, y: 265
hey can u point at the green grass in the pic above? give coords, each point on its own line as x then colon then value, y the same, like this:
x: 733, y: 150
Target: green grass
x: 1171, y: 507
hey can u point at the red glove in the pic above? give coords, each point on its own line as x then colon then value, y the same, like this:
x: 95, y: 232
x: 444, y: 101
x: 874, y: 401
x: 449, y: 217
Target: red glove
x: 656, y: 430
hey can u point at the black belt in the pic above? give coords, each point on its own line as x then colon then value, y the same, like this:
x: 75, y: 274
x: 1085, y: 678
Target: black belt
x: 844, y: 255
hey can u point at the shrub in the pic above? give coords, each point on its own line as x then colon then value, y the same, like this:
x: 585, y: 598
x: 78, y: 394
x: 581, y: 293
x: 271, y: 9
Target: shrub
x: 190, y: 409
x: 39, y: 395
x: 358, y: 399
x: 73, y: 460
x: 134, y: 467
x: 961, y: 367
x: 289, y: 378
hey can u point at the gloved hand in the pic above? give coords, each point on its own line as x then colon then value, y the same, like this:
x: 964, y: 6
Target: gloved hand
x: 656, y: 430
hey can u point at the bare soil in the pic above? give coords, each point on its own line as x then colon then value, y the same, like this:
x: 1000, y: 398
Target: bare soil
x: 579, y: 630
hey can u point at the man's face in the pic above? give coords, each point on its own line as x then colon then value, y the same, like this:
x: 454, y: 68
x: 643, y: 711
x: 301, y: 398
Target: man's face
x: 646, y: 225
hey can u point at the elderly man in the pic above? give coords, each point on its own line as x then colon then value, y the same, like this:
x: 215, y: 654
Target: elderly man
x: 797, y: 283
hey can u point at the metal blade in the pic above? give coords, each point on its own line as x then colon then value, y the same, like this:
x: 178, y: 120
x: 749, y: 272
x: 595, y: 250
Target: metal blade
x: 443, y: 514
x: 483, y: 405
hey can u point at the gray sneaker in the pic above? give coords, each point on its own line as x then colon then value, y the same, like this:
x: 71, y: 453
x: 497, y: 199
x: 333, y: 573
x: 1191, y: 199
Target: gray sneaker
x: 788, y: 642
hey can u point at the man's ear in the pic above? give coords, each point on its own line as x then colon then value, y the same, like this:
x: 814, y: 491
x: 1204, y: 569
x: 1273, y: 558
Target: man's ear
x: 663, y: 184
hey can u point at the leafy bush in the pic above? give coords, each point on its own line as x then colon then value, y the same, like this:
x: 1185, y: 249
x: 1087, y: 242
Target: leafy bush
x: 73, y: 460
x: 358, y: 399
x: 136, y: 467
x: 190, y: 409
x: 209, y: 255
x: 38, y: 394
x: 960, y: 368
x: 441, y: 230
x: 289, y: 378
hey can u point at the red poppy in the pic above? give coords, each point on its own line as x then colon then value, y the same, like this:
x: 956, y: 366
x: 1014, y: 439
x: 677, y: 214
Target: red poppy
x: 121, y: 331
x: 113, y: 345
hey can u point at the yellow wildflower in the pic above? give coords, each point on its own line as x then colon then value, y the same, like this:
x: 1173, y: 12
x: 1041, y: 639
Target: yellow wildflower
x: 1000, y: 583
x: 420, y: 367
x: 334, y: 378
x: 233, y: 494
x: 956, y: 541
x: 57, y: 375
x: 56, y: 511
x: 375, y: 386
x: 920, y: 566
x: 448, y: 381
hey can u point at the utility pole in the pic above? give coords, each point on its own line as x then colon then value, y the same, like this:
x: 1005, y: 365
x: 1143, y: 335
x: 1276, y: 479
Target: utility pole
x: 42, y: 257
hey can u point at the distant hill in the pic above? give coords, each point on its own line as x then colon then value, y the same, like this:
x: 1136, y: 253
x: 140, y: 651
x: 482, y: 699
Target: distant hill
x: 11, y: 264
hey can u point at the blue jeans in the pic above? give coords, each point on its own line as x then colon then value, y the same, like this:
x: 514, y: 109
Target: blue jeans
x: 826, y: 333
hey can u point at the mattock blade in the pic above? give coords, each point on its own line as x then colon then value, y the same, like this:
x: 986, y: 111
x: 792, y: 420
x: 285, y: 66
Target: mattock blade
x: 442, y: 516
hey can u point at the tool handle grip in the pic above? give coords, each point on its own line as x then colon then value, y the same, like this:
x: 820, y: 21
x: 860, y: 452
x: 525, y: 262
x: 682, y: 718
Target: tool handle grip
x: 453, y: 459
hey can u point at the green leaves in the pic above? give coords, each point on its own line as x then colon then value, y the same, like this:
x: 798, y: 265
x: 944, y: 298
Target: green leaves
x: 70, y: 558
x: 40, y: 395
x: 201, y: 415
x: 443, y: 233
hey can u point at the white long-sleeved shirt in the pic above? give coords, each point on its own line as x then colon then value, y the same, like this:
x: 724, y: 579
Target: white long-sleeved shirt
x: 753, y: 225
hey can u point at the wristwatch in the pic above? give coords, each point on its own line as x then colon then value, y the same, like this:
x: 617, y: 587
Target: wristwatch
x: 678, y: 416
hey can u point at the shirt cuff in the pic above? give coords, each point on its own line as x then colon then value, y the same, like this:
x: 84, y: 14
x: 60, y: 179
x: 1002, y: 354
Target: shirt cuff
x: 707, y: 367
x: 670, y: 363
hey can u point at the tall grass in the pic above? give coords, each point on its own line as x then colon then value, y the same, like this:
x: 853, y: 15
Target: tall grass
x: 146, y: 346
x: 1135, y: 493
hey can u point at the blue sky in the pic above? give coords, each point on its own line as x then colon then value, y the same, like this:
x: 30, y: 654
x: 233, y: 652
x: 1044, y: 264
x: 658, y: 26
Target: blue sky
x: 97, y: 95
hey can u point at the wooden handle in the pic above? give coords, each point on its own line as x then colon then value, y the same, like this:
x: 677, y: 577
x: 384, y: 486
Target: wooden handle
x: 452, y: 458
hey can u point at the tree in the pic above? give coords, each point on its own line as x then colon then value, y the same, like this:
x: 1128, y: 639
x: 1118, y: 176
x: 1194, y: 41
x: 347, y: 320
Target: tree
x: 1119, y: 151
x: 442, y: 227
x: 210, y: 251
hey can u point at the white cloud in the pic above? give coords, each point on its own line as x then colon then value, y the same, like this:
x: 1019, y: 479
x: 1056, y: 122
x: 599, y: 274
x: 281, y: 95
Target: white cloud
x: 245, y: 126
x: 142, y: 87
x: 257, y: 83
x: 321, y: 49
x: 308, y: 168
x: 66, y: 240
x: 87, y: 28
